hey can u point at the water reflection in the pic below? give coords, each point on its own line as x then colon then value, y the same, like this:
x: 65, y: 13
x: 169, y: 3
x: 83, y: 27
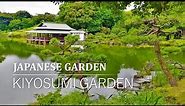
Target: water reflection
x: 10, y: 95
x: 95, y: 93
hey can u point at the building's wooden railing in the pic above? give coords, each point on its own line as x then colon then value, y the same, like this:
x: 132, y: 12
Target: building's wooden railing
x: 42, y: 40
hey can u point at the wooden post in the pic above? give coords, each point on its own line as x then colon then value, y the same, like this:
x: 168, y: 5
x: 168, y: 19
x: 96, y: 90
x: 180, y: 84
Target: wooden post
x: 35, y: 42
x: 30, y: 38
x: 44, y: 40
x: 39, y: 38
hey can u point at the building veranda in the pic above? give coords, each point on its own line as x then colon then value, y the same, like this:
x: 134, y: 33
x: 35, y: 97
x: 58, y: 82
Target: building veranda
x: 46, y: 31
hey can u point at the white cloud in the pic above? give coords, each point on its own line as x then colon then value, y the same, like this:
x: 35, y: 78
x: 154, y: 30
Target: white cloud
x: 33, y: 8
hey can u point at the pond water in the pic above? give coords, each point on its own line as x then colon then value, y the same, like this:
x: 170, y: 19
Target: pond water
x: 10, y: 95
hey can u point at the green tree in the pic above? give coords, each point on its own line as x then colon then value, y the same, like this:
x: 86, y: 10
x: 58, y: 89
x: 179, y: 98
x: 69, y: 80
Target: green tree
x: 27, y: 22
x: 15, y: 24
x: 54, y: 42
x: 22, y: 14
x: 69, y: 40
x: 78, y: 14
x: 47, y: 17
x: 88, y: 15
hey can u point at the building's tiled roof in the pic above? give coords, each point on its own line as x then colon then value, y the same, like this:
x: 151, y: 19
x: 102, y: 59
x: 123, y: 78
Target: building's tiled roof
x: 49, y: 31
x: 47, y: 25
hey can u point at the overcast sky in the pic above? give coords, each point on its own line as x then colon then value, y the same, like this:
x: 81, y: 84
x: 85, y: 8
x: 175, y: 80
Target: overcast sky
x: 32, y: 7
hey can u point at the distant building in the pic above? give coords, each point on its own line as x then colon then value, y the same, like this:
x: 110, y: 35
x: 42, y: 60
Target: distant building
x: 46, y: 31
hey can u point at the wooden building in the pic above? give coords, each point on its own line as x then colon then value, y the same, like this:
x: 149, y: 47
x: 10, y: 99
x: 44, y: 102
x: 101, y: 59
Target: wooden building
x: 46, y: 31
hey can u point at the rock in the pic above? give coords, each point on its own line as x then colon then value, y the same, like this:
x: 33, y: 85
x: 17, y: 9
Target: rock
x: 133, y: 89
x: 142, y: 80
x: 129, y: 45
x: 137, y: 76
x: 136, y: 85
x: 148, y: 77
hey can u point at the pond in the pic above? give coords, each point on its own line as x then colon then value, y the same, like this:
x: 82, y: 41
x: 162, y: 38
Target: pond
x: 127, y: 82
x: 24, y: 95
x: 132, y: 59
x: 10, y: 95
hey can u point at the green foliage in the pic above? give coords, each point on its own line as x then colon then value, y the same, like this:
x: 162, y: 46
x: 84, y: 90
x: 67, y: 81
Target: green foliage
x: 178, y: 74
x: 58, y: 58
x: 129, y: 24
x: 18, y: 24
x: 183, y: 49
x: 50, y: 98
x: 105, y: 30
x: 101, y: 58
x: 171, y: 49
x: 71, y: 39
x: 54, y: 42
x: 89, y: 45
x: 15, y: 24
x: 85, y: 57
x: 55, y: 98
x: 143, y: 98
x: 150, y: 8
x: 2, y: 46
x: 118, y: 55
x: 1, y: 58
x: 160, y: 80
x: 138, y: 40
x: 87, y: 15
x: 46, y: 52
x: 76, y: 14
x: 22, y: 14
x: 77, y: 98
x: 176, y: 93
x: 176, y: 43
x: 47, y: 17
x: 17, y: 34
x: 22, y: 19
x: 19, y: 48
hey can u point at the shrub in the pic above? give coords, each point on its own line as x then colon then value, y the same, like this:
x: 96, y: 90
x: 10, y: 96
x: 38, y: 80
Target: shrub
x: 183, y: 49
x: 178, y: 74
x: 165, y: 43
x: 89, y: 45
x: 101, y: 58
x: 133, y: 31
x: 54, y: 42
x: 134, y: 40
x: 46, y: 52
x: 74, y: 98
x: 149, y: 97
x: 2, y: 47
x: 179, y: 43
x: 105, y: 30
x: 85, y: 57
x: 1, y: 58
x: 119, y: 31
x: 160, y: 79
x: 17, y: 34
x: 171, y: 49
x: 58, y: 58
x: 130, y: 40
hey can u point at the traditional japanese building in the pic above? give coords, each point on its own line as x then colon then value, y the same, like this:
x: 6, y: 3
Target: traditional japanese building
x: 46, y: 31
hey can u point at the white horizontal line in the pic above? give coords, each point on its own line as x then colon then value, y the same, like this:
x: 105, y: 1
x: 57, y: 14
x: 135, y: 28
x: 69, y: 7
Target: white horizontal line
x: 63, y: 74
x: 34, y: 74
